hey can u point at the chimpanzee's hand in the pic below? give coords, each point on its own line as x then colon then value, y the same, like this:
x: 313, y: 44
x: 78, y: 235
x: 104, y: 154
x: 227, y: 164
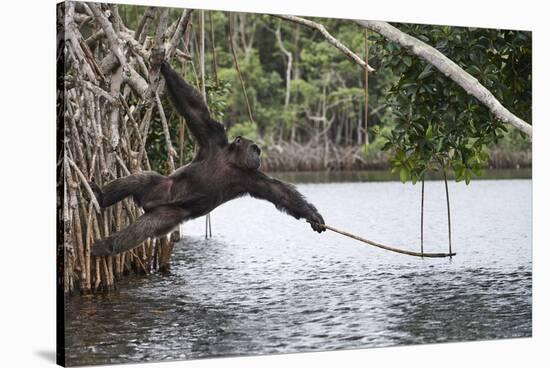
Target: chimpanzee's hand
x: 316, y: 221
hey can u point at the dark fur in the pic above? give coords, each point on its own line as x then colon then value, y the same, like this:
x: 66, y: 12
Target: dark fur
x: 220, y: 171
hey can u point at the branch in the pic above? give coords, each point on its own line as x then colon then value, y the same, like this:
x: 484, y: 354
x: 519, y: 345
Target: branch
x: 158, y: 53
x: 129, y: 74
x: 169, y: 148
x: 114, y: 44
x: 73, y: 39
x: 470, y: 84
x: 98, y: 91
x: 333, y: 41
x: 180, y: 29
x: 288, y: 55
x: 85, y: 183
x: 145, y: 19
x: 116, y: 82
x: 170, y: 46
x: 134, y: 45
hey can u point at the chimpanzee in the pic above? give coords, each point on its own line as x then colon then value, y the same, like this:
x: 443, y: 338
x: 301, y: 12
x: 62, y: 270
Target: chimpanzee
x: 219, y: 172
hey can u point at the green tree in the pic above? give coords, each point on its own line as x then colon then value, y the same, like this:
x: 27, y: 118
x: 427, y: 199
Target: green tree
x: 438, y: 126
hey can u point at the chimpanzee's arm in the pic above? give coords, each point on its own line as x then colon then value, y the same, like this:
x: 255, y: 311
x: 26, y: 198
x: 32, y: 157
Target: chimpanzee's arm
x: 285, y: 197
x: 191, y: 106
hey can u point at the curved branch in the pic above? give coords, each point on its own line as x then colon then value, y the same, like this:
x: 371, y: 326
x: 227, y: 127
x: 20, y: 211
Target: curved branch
x: 110, y: 33
x: 72, y: 36
x: 470, y: 84
x: 129, y: 75
x: 183, y: 23
x: 84, y: 181
x: 330, y: 38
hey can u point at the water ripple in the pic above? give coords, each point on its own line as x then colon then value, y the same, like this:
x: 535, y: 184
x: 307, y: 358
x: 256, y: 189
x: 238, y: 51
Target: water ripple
x: 269, y: 285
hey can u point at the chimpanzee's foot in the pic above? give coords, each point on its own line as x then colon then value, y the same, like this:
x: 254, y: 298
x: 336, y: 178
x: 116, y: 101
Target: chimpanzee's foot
x: 103, y: 248
x: 97, y: 192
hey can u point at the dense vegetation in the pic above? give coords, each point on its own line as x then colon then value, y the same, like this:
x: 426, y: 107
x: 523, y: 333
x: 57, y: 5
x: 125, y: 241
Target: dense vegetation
x: 275, y: 81
x: 303, y: 92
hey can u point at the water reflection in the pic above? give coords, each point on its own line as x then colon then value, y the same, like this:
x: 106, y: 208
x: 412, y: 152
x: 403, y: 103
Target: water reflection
x: 485, y: 299
x: 266, y: 283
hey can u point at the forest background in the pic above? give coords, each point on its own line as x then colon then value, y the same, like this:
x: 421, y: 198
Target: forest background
x: 305, y: 100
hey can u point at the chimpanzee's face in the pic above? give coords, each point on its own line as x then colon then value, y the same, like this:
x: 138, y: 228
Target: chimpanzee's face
x: 245, y: 153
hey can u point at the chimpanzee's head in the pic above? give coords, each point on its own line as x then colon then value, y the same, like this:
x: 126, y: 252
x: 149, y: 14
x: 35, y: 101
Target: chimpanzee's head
x: 244, y: 153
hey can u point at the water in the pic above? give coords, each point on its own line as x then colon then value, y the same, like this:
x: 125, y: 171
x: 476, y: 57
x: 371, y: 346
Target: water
x: 267, y: 283
x: 386, y: 175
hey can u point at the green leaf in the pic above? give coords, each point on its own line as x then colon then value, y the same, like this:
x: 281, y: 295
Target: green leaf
x: 387, y: 146
x: 429, y: 131
x: 426, y: 72
x: 403, y: 174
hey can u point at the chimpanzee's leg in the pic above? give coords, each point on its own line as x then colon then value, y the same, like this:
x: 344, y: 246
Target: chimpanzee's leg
x: 152, y: 224
x: 131, y: 185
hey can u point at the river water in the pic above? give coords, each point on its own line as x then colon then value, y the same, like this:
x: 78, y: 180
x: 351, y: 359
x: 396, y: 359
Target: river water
x: 266, y: 283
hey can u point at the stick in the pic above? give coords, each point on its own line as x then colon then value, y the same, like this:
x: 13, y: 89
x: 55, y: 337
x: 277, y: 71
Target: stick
x: 366, y: 87
x: 422, y: 220
x: 448, y: 208
x: 139, y: 261
x: 213, y: 44
x: 85, y: 183
x: 330, y: 39
x: 391, y: 249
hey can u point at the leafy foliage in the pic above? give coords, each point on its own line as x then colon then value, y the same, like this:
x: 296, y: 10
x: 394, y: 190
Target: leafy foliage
x: 424, y: 119
x: 438, y: 125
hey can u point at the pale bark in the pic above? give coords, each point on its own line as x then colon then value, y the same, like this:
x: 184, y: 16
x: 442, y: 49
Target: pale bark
x: 72, y: 38
x: 106, y: 128
x: 288, y: 56
x: 129, y: 75
x: 168, y: 140
x: 116, y: 82
x: 141, y: 30
x: 107, y: 27
x: 183, y: 23
x: 450, y: 69
x: 330, y: 38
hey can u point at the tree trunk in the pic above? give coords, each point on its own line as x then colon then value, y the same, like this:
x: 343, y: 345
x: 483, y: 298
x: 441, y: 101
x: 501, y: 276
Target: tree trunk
x: 288, y: 56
